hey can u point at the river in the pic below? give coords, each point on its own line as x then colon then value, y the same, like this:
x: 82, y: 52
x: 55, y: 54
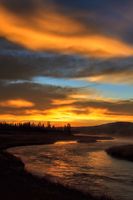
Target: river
x: 84, y: 166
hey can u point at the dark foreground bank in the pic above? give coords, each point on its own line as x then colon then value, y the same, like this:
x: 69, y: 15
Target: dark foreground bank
x: 17, y: 184
x: 122, y: 152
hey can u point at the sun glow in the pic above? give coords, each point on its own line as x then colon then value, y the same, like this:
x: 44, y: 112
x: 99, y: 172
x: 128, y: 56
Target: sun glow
x: 65, y: 114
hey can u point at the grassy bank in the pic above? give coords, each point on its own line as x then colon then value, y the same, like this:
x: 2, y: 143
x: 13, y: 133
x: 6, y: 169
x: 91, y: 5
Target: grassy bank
x: 16, y: 183
x: 122, y: 152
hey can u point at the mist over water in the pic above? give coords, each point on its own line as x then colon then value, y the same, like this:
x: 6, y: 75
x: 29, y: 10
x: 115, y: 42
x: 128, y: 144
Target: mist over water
x: 84, y: 166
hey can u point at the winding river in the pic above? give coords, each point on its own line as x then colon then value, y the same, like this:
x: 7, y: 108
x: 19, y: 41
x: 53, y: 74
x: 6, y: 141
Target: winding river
x: 85, y: 166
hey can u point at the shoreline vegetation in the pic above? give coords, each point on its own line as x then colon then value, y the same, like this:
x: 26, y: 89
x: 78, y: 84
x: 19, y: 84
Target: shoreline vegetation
x: 35, y: 127
x: 124, y: 152
x: 16, y: 183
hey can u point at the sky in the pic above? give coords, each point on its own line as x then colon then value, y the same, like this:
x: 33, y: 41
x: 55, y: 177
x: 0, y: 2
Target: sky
x: 66, y: 61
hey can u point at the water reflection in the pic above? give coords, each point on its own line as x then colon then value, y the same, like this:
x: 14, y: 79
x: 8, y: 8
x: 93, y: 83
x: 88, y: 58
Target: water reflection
x: 99, y: 160
x: 83, y: 166
x: 65, y: 142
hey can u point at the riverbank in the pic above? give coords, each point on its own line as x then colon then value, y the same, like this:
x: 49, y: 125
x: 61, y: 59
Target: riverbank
x: 124, y: 152
x: 16, y: 183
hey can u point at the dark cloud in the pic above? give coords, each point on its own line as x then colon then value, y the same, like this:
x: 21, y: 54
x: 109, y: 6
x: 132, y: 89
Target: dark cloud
x: 99, y: 6
x: 90, y: 5
x: 12, y: 69
x: 7, y: 45
x: 17, y: 63
x: 120, y: 107
x: 20, y: 6
x: 33, y: 92
x: 112, y: 18
x: 40, y: 96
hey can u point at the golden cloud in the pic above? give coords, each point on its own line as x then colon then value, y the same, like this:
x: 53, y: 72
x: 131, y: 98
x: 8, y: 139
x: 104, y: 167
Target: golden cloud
x: 121, y: 78
x: 66, y: 114
x: 54, y: 32
x: 17, y: 103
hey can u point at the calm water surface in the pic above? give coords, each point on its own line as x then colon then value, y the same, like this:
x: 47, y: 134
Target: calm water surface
x: 84, y: 166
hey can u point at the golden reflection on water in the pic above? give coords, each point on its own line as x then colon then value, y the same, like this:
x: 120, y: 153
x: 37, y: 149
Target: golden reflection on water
x: 59, y: 169
x: 99, y: 159
x: 82, y: 166
x: 66, y: 142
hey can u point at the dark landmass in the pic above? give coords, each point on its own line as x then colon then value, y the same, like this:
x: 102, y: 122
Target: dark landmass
x: 114, y: 129
x: 17, y: 134
x: 33, y: 128
x: 18, y: 184
x: 122, y: 152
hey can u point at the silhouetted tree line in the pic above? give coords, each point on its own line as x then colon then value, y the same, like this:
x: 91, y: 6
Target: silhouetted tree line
x: 31, y: 126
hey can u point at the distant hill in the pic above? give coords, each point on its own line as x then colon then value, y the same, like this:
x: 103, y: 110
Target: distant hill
x: 116, y: 128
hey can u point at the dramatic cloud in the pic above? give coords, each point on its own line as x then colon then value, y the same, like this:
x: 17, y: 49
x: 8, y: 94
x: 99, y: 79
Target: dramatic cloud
x: 20, y: 7
x: 119, y: 107
x: 29, y: 101
x: 49, y: 29
x: 56, y: 55
x: 18, y: 63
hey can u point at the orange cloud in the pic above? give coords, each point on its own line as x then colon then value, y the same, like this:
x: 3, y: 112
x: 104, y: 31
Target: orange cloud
x: 63, y: 115
x: 62, y: 102
x: 17, y: 103
x: 121, y: 78
x: 56, y: 32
